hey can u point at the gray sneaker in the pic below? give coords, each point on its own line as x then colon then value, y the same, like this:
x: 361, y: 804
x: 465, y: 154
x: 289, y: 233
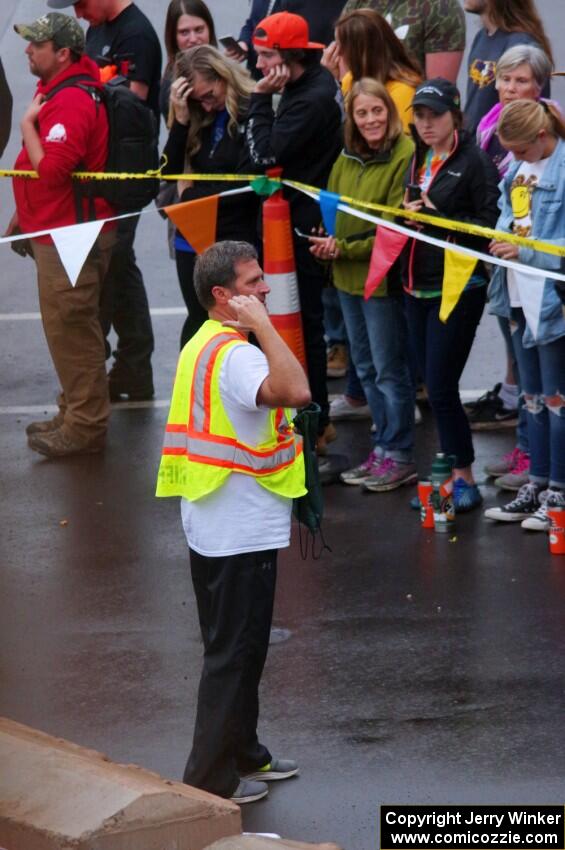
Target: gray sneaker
x: 507, y: 463
x: 341, y: 408
x: 365, y: 470
x: 248, y: 791
x: 276, y: 769
x: 512, y: 480
x: 390, y: 475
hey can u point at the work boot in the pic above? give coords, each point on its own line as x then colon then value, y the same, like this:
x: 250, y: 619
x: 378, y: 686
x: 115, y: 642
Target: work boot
x: 45, y: 426
x: 59, y: 443
x: 328, y: 436
x: 336, y: 365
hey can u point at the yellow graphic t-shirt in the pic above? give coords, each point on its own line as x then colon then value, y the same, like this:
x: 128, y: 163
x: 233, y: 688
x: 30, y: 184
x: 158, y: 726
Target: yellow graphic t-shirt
x: 521, y: 191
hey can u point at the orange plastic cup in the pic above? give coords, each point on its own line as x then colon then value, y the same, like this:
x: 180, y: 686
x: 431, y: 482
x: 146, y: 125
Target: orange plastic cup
x: 425, y: 491
x: 556, y: 530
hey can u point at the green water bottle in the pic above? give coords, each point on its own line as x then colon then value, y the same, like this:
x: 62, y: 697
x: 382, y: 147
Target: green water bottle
x: 442, y: 494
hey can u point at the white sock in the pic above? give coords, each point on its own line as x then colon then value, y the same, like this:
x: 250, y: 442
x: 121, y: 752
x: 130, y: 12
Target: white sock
x: 509, y: 396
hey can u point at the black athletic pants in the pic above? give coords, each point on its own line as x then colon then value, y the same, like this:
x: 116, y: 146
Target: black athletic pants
x: 235, y: 596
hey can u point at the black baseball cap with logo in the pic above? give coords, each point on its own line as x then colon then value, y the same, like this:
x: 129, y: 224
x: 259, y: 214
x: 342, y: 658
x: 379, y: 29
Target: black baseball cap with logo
x: 438, y: 94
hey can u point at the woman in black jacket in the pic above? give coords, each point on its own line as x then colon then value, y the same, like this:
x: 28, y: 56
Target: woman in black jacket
x: 449, y: 177
x: 209, y: 98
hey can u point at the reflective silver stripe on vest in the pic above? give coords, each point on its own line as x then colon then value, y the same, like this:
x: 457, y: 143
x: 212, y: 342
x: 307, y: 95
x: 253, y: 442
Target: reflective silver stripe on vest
x: 199, y: 380
x: 238, y: 456
x: 231, y: 454
x: 175, y: 440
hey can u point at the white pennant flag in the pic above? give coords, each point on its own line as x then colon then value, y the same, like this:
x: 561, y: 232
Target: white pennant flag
x: 531, y: 289
x: 74, y: 243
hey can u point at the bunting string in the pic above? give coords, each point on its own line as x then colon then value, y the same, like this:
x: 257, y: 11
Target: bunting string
x: 314, y: 192
x: 197, y: 221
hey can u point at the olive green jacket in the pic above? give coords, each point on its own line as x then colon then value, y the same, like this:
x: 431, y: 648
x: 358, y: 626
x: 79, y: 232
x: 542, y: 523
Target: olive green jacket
x: 377, y: 180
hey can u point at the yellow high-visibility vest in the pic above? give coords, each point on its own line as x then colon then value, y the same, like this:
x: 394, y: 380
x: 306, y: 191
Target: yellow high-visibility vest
x: 201, y: 448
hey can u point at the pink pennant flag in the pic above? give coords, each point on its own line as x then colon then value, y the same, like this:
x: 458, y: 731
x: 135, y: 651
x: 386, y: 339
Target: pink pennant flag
x: 386, y: 249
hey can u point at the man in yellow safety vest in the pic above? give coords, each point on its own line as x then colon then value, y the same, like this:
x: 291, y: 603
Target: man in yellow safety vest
x: 232, y: 455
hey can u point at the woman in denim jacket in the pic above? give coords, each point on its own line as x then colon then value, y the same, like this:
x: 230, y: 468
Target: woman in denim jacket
x: 533, y: 204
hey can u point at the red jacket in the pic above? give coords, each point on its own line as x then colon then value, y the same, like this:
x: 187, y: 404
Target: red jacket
x: 74, y: 136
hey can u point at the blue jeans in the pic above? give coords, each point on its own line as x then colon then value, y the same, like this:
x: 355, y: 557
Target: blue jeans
x: 522, y: 427
x: 336, y: 334
x: 542, y: 372
x: 443, y: 349
x: 378, y: 342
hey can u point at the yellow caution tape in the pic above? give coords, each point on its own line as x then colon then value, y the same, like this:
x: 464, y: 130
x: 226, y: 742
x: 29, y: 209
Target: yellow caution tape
x: 444, y: 223
x: 424, y: 218
x: 149, y: 175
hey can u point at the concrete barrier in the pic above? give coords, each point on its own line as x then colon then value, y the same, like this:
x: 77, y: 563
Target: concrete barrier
x: 55, y: 795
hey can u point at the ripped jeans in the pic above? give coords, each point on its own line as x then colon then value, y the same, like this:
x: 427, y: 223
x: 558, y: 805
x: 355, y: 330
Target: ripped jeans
x: 542, y: 373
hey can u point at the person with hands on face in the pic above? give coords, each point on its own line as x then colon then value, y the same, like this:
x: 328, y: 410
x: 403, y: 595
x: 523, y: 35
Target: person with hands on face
x: 231, y: 454
x: 366, y: 46
x: 456, y: 180
x: 533, y: 193
x: 188, y: 24
x: 209, y: 100
x: 372, y: 168
x: 303, y: 135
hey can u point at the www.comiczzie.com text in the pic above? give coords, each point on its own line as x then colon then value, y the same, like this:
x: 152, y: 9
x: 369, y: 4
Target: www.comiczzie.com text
x: 472, y: 826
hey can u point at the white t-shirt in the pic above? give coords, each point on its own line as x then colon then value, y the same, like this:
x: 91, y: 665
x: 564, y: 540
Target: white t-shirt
x: 525, y: 180
x: 241, y: 516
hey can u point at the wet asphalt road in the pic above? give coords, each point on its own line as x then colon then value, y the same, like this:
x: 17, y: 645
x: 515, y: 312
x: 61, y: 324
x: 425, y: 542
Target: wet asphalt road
x: 419, y: 669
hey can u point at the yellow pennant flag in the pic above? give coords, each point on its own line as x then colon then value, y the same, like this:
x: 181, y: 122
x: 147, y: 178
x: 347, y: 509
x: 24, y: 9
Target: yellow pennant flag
x: 458, y: 268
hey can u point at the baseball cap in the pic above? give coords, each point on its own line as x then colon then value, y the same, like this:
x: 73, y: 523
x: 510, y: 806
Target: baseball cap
x: 439, y: 94
x: 284, y: 31
x: 54, y: 26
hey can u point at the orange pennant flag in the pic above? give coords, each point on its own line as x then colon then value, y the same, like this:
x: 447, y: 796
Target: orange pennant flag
x: 196, y: 220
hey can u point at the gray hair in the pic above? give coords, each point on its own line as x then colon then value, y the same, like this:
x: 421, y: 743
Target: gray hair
x: 526, y: 54
x: 216, y: 266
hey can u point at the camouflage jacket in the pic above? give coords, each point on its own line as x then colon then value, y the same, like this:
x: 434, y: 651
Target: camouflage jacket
x: 425, y: 26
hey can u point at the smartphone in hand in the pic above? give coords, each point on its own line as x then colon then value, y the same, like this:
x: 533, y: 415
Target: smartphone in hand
x: 229, y: 42
x: 414, y: 192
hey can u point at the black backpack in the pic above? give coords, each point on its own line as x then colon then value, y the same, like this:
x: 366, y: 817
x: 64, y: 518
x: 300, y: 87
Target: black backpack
x: 132, y: 145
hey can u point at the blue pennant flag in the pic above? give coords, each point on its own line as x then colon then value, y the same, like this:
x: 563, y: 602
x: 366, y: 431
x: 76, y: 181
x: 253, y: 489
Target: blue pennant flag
x: 328, y: 208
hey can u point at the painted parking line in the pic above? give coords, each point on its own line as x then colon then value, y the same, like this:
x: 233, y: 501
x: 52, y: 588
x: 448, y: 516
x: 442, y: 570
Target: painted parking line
x: 26, y: 317
x: 33, y: 409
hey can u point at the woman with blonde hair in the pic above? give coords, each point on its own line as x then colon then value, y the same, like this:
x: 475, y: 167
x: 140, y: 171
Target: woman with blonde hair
x: 522, y: 73
x: 533, y: 205
x: 371, y: 168
x: 209, y: 99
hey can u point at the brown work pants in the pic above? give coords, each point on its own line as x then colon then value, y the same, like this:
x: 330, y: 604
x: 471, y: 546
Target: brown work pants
x: 72, y: 330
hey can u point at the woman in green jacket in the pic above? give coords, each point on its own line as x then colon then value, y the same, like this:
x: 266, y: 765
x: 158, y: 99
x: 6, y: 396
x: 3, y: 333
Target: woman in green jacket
x: 371, y: 168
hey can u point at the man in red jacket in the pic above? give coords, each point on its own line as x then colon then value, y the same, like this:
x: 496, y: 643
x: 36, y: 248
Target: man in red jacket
x: 64, y: 130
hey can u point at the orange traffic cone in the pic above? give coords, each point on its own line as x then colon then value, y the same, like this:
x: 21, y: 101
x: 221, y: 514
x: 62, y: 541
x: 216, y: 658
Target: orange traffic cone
x: 283, y: 301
